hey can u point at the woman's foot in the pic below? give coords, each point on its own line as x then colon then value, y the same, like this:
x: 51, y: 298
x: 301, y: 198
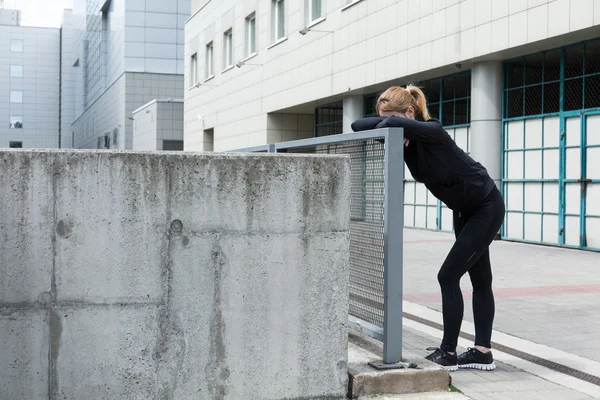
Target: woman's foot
x: 476, y: 359
x: 445, y: 359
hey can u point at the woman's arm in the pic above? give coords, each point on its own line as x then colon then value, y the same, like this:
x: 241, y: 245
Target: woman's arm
x: 366, y: 124
x: 430, y: 131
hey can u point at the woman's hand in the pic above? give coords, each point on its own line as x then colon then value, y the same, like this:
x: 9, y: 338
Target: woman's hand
x: 406, y: 142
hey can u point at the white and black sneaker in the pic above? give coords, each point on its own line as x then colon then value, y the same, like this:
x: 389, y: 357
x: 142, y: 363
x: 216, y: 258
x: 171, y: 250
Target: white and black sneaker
x: 440, y: 357
x: 475, y: 359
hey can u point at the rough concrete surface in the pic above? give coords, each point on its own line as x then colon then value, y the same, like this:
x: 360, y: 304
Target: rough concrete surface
x: 366, y: 381
x: 173, y: 276
x: 420, y: 396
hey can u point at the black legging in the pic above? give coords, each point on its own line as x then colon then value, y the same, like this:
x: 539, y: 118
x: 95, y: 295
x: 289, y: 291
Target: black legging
x: 474, y: 232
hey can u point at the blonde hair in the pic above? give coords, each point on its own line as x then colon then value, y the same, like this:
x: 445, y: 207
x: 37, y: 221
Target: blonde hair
x: 400, y: 99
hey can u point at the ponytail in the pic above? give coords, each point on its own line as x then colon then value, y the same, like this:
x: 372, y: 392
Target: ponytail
x: 419, y: 97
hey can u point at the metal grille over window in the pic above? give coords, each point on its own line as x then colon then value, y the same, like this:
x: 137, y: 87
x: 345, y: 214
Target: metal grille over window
x: 366, y: 226
x: 551, y: 176
x: 329, y: 119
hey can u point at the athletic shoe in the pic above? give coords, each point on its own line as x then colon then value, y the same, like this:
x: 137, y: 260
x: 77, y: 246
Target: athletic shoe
x: 475, y: 359
x: 440, y: 357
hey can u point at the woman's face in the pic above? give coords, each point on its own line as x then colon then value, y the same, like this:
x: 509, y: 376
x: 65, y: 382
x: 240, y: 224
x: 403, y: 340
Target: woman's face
x: 410, y: 113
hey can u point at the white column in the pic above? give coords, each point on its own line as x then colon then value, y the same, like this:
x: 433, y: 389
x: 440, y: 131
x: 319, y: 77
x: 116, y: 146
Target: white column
x: 353, y: 110
x: 486, y: 116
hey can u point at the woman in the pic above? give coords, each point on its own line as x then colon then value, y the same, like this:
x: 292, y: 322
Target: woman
x: 465, y: 186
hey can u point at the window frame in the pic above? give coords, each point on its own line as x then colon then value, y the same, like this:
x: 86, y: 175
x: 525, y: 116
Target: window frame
x: 251, y: 35
x: 12, y: 125
x: 11, y: 97
x: 20, y: 75
x: 310, y: 11
x: 228, y: 49
x: 194, y: 69
x: 276, y: 24
x: 210, y: 61
x: 21, y: 45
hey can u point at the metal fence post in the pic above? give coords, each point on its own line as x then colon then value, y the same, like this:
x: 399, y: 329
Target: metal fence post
x: 393, y: 226
x: 271, y: 148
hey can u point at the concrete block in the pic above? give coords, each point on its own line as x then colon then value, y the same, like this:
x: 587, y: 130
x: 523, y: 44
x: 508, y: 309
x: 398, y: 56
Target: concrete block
x: 24, y: 355
x: 265, y: 289
x: 111, y: 225
x: 255, y: 193
x: 109, y: 352
x: 25, y: 227
x: 366, y: 381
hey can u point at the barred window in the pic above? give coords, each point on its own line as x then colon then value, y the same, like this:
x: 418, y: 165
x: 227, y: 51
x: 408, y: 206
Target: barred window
x: 329, y: 119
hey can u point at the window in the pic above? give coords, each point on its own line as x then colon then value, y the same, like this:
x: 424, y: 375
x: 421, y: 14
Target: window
x: 210, y: 70
x: 314, y: 11
x: 194, y: 69
x: 329, y: 119
x: 16, y: 46
x: 15, y: 145
x: 278, y: 20
x: 228, y: 49
x: 16, y: 96
x: 173, y: 145
x: 250, y: 35
x: 16, y: 122
x: 16, y: 71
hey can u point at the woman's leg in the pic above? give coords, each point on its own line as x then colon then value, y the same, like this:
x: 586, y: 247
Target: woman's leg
x: 472, y: 243
x: 483, y: 301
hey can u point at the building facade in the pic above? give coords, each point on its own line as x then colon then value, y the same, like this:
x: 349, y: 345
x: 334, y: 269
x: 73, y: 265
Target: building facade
x: 29, y: 86
x: 158, y: 125
x: 516, y: 83
x: 125, y: 54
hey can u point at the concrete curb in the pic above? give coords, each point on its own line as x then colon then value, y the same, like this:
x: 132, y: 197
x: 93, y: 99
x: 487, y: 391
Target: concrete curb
x: 366, y: 381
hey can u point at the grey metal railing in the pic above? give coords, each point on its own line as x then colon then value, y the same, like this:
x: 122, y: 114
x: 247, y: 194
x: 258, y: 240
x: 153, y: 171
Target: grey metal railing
x: 376, y: 227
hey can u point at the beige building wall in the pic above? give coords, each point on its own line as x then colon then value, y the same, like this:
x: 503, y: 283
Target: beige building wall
x: 359, y: 47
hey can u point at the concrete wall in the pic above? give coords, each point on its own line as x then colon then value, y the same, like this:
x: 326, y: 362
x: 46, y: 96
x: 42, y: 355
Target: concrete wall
x: 359, y: 49
x: 38, y: 85
x: 173, y: 276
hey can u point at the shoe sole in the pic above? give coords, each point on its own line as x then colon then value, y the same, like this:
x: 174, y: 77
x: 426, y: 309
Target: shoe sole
x: 482, y: 367
x: 451, y: 368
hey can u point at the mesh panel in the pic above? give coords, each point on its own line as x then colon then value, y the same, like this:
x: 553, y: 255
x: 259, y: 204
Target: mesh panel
x: 574, y: 94
x: 366, y: 225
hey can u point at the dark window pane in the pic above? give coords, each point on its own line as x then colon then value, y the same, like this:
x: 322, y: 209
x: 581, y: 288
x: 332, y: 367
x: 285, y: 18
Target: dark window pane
x: 533, y: 100
x: 592, y: 58
x: 174, y: 145
x: 448, y: 113
x: 515, y: 74
x: 551, y: 97
x: 533, y: 69
x: 434, y: 110
x: 574, y: 61
x: 514, y: 103
x: 592, y: 92
x: 552, y: 66
x: 573, y: 94
x: 463, y: 85
x: 432, y: 90
x: 448, y: 88
x: 461, y: 109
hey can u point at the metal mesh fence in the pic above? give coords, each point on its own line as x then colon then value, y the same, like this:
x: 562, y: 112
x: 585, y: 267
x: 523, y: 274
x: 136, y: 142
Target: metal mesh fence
x: 366, y: 225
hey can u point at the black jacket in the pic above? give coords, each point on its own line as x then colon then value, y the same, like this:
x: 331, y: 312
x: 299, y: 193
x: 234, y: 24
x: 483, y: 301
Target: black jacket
x: 434, y: 159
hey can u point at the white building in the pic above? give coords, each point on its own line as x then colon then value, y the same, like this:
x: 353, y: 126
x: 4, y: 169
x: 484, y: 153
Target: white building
x: 158, y: 125
x: 517, y: 83
x: 29, y: 86
x: 124, y: 54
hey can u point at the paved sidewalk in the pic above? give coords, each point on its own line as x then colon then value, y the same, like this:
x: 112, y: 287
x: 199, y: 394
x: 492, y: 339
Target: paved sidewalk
x: 504, y: 383
x: 543, y: 294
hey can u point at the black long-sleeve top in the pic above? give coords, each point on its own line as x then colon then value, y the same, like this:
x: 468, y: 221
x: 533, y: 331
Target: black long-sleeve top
x: 434, y: 159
